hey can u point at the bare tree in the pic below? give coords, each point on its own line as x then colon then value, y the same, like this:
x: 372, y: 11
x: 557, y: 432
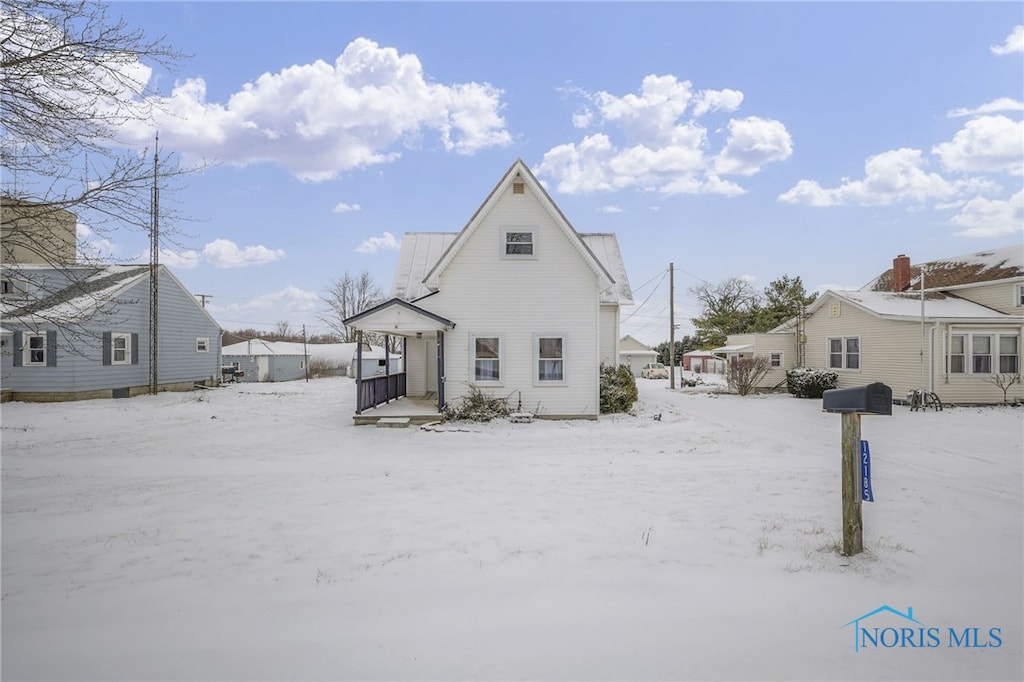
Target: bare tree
x: 745, y: 372
x: 727, y: 308
x: 73, y: 79
x: 1004, y: 382
x: 347, y: 296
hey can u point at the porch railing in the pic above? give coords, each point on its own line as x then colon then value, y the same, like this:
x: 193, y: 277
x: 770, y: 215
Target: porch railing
x: 379, y: 389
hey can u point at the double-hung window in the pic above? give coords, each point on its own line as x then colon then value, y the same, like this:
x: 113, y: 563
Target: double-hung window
x: 487, y: 359
x: 550, y: 359
x: 987, y: 353
x: 775, y: 359
x: 120, y: 349
x: 202, y: 345
x: 844, y: 352
x: 35, y: 349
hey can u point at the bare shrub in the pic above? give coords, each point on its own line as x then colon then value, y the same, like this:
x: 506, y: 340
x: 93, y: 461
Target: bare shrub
x: 746, y: 372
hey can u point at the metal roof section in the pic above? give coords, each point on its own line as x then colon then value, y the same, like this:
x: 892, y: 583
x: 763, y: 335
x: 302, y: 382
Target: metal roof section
x: 419, y: 253
x: 605, y: 247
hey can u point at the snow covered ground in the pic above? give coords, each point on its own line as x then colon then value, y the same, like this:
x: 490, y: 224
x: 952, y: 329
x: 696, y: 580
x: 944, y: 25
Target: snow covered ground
x: 252, y: 533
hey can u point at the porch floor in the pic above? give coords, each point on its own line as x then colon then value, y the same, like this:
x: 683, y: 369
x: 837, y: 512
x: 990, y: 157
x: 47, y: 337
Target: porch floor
x: 418, y: 410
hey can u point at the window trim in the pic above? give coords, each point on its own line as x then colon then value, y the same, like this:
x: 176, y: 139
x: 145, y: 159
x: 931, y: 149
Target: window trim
x: 1018, y: 296
x: 537, y: 380
x: 844, y: 353
x: 503, y: 246
x: 114, y: 336
x: 202, y: 344
x: 27, y: 349
x: 782, y: 359
x: 473, y: 359
x: 995, y: 354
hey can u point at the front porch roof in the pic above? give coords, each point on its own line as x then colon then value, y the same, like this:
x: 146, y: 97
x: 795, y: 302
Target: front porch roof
x: 398, y: 318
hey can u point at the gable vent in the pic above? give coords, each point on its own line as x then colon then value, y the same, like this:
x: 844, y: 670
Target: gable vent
x: 518, y: 186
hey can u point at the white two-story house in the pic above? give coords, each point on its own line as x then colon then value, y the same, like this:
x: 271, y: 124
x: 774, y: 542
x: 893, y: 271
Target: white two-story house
x: 518, y: 304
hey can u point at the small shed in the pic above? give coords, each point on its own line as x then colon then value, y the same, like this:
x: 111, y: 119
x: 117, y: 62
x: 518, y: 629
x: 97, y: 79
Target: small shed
x: 635, y: 354
x: 259, y: 360
x: 703, y: 361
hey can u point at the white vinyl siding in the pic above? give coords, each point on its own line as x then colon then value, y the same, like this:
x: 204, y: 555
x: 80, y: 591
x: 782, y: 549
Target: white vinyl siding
x: 484, y: 292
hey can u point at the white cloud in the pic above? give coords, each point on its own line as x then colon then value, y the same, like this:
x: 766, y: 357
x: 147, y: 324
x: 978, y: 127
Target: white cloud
x: 321, y: 119
x: 654, y: 140
x: 993, y: 107
x: 986, y: 144
x: 890, y: 177
x: 289, y: 303
x: 610, y: 209
x: 224, y: 253
x: 384, y: 242
x: 92, y: 246
x: 991, y: 218
x: 181, y: 260
x: 1013, y: 43
x: 342, y: 207
x: 753, y: 142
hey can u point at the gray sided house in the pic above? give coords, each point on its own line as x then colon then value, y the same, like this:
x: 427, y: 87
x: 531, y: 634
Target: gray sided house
x: 260, y: 360
x: 79, y: 332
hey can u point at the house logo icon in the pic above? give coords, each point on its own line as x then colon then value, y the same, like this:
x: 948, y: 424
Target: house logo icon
x: 860, y: 633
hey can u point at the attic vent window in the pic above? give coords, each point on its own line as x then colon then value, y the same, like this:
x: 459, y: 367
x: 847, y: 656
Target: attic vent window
x: 518, y: 187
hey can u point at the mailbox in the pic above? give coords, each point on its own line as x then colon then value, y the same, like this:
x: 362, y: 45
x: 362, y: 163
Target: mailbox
x: 874, y: 398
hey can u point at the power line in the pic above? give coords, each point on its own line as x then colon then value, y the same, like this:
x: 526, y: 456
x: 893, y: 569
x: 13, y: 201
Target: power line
x: 653, y: 291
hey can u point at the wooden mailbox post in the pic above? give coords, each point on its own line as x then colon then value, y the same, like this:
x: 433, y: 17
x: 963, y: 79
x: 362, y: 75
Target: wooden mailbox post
x: 874, y: 398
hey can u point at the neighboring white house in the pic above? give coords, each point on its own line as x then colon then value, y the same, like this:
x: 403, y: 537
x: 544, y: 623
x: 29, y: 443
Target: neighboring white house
x: 262, y: 360
x: 635, y: 354
x: 518, y: 305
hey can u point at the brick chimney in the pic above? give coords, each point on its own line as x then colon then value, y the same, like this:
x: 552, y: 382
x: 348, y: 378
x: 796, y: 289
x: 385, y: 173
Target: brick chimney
x: 901, y: 273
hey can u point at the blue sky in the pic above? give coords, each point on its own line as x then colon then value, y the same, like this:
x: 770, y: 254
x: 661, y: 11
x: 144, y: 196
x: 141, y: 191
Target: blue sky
x: 733, y: 139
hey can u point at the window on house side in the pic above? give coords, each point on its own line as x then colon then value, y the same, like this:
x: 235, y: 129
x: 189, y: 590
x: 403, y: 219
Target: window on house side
x: 776, y: 359
x: 35, y: 349
x: 844, y: 353
x: 550, y: 359
x: 121, y: 349
x: 202, y: 345
x: 487, y: 358
x: 981, y: 354
x: 1008, y: 363
x: 518, y: 243
x: 957, y: 357
x: 1018, y: 297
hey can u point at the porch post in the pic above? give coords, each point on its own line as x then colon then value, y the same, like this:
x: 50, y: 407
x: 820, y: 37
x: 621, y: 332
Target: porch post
x: 359, y: 372
x: 387, y: 369
x: 440, y: 370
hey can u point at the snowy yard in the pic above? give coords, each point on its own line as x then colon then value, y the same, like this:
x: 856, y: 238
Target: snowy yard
x: 251, y: 532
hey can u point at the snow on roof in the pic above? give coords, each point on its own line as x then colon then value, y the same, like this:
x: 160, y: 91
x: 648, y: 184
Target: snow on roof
x: 907, y: 305
x: 732, y: 349
x: 975, y: 268
x: 336, y: 353
x: 707, y: 353
x: 94, y: 287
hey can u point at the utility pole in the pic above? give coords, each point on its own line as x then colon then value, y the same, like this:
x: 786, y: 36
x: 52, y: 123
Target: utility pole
x: 154, y: 267
x: 202, y: 298
x: 305, y: 354
x: 671, y: 326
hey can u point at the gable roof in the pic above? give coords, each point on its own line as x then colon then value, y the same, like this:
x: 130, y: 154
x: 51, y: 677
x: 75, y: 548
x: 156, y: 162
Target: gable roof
x: 92, y: 287
x: 424, y: 255
x: 518, y: 170
x: 981, y: 267
x: 907, y: 306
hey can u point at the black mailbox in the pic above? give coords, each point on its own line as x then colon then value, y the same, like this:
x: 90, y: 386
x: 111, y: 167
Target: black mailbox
x: 874, y: 398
